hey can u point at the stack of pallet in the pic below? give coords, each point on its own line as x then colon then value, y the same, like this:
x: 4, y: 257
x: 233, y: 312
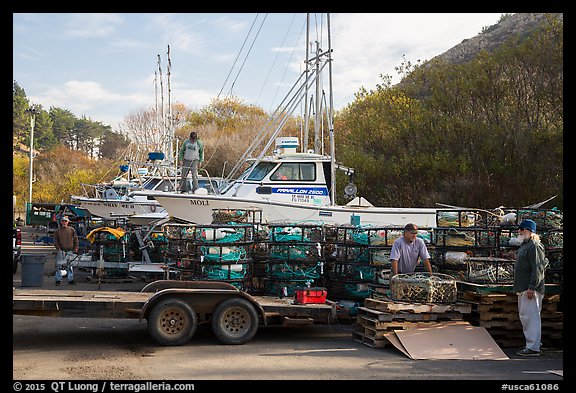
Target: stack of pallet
x: 381, y: 316
x: 498, y: 313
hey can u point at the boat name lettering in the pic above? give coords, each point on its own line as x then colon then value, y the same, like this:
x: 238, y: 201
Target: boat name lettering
x: 111, y: 204
x: 128, y: 206
x: 325, y: 214
x: 301, y: 191
x: 199, y: 202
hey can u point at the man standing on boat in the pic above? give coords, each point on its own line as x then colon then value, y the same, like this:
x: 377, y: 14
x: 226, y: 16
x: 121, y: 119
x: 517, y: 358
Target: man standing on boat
x: 191, y: 155
x: 406, y: 251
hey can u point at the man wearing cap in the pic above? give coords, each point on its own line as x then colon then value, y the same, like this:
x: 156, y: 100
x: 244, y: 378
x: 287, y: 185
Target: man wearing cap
x: 65, y: 240
x: 529, y: 269
x: 407, y: 250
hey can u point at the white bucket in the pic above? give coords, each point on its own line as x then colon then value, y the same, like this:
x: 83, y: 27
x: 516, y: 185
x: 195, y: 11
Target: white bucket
x: 218, y: 250
x: 216, y: 234
x: 237, y: 267
x: 508, y: 219
x: 455, y: 257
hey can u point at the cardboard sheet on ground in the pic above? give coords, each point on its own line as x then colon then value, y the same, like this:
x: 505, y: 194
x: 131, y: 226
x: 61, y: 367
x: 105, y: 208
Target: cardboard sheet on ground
x: 447, y: 341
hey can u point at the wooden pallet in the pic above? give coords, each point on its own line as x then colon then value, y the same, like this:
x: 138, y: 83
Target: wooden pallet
x: 500, y: 288
x: 394, y: 306
x: 497, y: 311
x: 382, y: 316
x: 372, y: 342
x: 510, y: 316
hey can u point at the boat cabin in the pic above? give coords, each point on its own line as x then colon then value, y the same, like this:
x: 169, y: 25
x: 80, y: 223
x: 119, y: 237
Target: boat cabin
x: 285, y: 176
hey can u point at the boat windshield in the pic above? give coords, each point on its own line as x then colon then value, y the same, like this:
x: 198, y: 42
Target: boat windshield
x: 151, y: 183
x: 260, y: 171
x: 294, y: 171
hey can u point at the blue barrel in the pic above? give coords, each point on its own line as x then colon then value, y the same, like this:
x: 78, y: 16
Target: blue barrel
x: 33, y: 269
x: 155, y: 155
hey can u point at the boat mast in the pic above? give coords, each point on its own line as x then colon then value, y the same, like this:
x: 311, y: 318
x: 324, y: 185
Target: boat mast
x: 168, y: 136
x: 306, y: 114
x: 318, y: 115
x: 162, y: 123
x: 331, y: 120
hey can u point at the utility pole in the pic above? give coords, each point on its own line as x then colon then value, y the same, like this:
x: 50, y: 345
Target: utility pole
x: 33, y: 111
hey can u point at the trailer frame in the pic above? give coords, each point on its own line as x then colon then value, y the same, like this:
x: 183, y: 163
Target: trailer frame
x: 173, y: 309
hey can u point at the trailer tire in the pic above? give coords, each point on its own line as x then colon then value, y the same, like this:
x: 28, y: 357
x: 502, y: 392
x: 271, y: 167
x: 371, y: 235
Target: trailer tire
x: 172, y: 322
x: 235, y: 321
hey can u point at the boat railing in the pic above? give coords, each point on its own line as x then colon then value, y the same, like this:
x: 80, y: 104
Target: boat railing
x: 215, y: 190
x: 105, y: 191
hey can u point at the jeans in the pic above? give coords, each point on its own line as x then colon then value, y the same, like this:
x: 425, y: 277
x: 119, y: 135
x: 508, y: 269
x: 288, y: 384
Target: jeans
x: 61, y: 260
x: 189, y: 166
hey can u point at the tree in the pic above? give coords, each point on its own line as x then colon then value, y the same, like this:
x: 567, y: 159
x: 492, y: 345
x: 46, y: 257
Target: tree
x: 62, y: 171
x: 20, y: 119
x: 63, y: 122
x: 483, y: 133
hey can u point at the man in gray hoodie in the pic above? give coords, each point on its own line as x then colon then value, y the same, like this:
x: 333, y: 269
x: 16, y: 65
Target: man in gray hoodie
x: 191, y: 155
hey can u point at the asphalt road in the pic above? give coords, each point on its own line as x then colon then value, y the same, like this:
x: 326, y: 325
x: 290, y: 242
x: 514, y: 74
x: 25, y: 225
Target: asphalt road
x: 64, y: 349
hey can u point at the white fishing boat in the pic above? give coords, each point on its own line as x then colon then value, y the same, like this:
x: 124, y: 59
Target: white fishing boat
x: 287, y: 184
x: 117, y: 199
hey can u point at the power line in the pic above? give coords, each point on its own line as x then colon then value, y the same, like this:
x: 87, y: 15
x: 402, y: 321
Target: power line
x: 235, y: 60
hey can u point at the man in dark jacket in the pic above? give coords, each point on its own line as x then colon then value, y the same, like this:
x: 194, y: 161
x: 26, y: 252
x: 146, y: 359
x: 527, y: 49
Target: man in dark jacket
x: 65, y: 241
x: 529, y: 285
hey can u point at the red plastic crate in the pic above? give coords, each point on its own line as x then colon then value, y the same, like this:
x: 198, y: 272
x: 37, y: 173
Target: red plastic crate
x: 315, y: 295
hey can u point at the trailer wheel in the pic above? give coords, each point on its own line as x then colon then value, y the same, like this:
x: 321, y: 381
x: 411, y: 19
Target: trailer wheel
x: 172, y: 322
x: 235, y: 321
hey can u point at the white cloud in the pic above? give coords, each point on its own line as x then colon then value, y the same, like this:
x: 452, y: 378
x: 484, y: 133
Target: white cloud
x: 91, y: 25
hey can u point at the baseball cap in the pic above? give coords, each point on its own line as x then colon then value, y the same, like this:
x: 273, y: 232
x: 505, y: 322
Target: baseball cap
x: 528, y: 224
x: 410, y: 227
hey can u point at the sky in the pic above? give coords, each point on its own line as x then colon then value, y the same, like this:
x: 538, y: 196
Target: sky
x: 108, y: 66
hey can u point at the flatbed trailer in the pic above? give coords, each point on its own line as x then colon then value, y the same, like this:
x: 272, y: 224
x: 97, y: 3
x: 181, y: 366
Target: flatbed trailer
x: 173, y: 309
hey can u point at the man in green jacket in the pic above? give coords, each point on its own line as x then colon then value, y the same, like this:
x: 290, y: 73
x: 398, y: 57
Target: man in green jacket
x: 529, y: 271
x: 191, y: 155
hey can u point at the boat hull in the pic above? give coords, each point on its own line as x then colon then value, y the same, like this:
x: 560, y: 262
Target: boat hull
x: 115, y: 209
x: 198, y: 209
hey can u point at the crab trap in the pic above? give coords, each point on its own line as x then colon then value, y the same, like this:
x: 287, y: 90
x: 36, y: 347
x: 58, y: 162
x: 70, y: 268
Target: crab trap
x: 295, y: 233
x: 423, y: 287
x: 238, y: 216
x: 465, y: 237
x: 544, y: 218
x: 366, y: 235
x: 489, y: 270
